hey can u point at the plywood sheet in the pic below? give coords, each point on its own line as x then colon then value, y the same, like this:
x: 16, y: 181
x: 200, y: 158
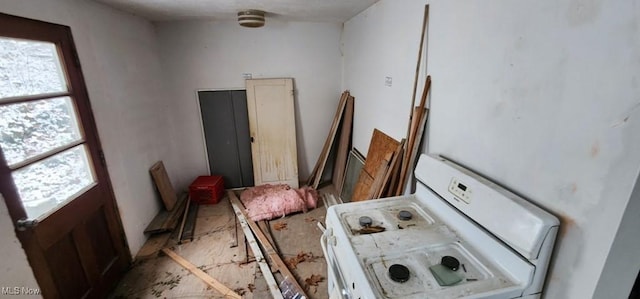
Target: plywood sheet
x: 381, y: 146
x: 161, y: 179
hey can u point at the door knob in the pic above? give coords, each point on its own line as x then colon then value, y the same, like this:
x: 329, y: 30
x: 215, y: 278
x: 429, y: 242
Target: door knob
x: 24, y: 224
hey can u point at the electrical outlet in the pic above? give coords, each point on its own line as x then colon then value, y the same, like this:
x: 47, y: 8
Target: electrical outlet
x: 388, y: 81
x: 246, y: 75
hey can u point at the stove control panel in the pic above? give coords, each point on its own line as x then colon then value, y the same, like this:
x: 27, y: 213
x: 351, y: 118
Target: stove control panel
x: 460, y: 190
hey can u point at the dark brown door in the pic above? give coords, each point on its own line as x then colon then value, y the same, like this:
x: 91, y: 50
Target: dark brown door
x: 52, y: 176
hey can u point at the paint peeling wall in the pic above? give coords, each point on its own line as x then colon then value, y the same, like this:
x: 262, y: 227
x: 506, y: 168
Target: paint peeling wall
x: 540, y: 96
x: 215, y: 54
x: 119, y: 57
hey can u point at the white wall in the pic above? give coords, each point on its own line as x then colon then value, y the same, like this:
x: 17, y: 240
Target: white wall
x: 540, y: 96
x: 119, y: 57
x: 214, y: 54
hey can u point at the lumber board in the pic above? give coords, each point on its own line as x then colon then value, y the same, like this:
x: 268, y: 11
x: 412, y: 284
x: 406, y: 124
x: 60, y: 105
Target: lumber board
x: 264, y: 268
x: 167, y: 220
x: 162, y: 182
x: 414, y: 151
x: 224, y: 290
x: 397, y: 155
x: 381, y: 145
x: 342, y: 152
x: 378, y: 178
x: 152, y: 246
x: 184, y: 219
x: 190, y: 223
x: 361, y: 190
x: 316, y: 174
x: 270, y: 250
x: 414, y: 127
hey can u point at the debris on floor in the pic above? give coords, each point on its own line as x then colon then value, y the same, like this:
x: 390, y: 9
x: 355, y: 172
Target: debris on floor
x: 313, y: 281
x: 267, y: 202
x: 280, y: 226
x: 293, y: 262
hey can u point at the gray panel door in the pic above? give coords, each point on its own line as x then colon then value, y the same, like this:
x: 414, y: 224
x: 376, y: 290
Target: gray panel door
x: 226, y: 131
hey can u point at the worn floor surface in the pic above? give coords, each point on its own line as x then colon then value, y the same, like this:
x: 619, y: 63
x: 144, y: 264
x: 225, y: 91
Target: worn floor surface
x: 296, y: 236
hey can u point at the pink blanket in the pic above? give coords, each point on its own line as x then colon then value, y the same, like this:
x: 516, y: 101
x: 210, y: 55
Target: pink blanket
x: 270, y: 201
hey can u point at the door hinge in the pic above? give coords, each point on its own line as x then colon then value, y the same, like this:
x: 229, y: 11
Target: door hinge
x: 103, y: 161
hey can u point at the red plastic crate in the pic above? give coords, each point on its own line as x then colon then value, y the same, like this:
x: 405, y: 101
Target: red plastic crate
x: 207, y: 189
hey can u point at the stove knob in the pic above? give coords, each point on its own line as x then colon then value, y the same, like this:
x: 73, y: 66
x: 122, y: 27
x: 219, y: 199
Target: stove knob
x: 450, y: 262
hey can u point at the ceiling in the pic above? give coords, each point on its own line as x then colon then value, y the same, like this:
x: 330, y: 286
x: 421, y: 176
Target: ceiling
x: 287, y: 10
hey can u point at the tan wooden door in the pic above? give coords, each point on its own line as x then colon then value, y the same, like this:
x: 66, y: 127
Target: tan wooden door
x: 52, y: 172
x: 272, y: 128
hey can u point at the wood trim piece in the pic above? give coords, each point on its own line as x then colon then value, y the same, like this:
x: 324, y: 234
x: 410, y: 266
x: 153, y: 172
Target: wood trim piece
x: 212, y: 282
x: 246, y: 223
x: 270, y: 250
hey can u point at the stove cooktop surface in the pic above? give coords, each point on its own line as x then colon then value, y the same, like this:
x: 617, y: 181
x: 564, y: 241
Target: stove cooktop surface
x: 400, y: 244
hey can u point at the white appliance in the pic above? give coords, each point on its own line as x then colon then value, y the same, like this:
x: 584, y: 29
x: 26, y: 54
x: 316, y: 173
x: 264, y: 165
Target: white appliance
x: 458, y: 236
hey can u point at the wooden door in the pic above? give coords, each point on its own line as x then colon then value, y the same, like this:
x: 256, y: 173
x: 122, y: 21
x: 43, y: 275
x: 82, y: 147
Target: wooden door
x: 52, y: 172
x: 226, y: 134
x: 273, y: 131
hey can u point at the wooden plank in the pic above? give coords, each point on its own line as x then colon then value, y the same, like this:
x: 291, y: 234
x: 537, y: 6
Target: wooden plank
x: 419, y: 135
x: 270, y: 250
x: 167, y: 220
x: 224, y: 290
x: 184, y: 219
x: 412, y: 136
x: 378, y: 179
x: 425, y: 18
x: 342, y: 152
x: 316, y: 174
x: 152, y: 246
x: 397, y: 155
x: 190, y: 223
x: 161, y: 179
x: 264, y: 268
x: 381, y: 149
x: 381, y: 145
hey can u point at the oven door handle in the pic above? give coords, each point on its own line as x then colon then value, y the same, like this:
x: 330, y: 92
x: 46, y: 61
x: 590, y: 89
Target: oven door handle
x: 343, y: 292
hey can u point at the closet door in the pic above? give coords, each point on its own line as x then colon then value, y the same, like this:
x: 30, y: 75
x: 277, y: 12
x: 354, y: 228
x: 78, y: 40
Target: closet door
x: 226, y: 130
x: 273, y: 132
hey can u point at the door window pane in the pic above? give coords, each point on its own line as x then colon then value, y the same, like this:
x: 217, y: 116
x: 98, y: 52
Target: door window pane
x: 49, y: 183
x: 32, y: 128
x: 29, y: 68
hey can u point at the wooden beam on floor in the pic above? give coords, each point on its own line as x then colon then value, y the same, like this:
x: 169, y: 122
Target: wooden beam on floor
x: 224, y: 290
x: 270, y: 250
x: 264, y: 267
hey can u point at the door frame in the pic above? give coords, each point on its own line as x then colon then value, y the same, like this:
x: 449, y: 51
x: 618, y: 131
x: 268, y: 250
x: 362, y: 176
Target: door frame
x: 204, y: 138
x: 86, y: 118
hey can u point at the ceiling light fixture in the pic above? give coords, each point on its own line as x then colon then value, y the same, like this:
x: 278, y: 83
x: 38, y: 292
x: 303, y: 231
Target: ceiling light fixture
x: 251, y: 18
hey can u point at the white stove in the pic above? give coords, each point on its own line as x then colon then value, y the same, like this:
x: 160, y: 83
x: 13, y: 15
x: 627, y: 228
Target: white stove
x: 458, y: 236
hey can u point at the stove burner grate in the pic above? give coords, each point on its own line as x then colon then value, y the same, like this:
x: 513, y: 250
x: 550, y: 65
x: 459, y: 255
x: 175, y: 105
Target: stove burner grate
x: 399, y: 273
x: 365, y: 221
x: 405, y: 215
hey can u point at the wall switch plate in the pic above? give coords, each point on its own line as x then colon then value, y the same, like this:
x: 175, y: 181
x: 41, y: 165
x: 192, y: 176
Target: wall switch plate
x: 388, y: 81
x: 246, y: 75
